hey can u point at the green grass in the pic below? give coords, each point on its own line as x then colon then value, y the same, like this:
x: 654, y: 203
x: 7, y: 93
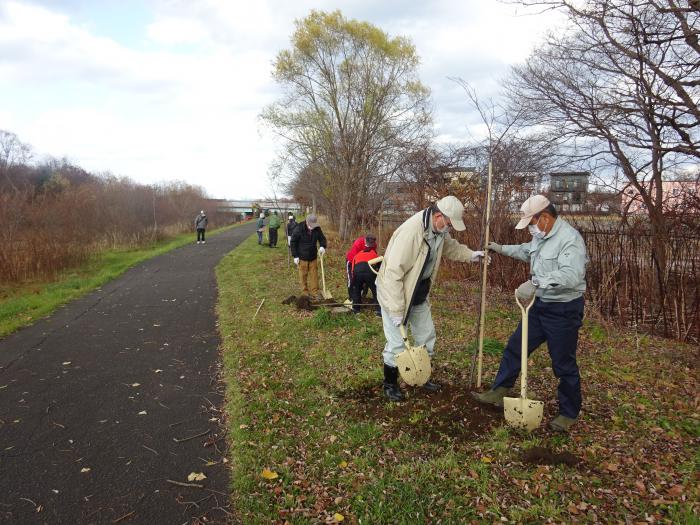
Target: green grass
x: 23, y: 304
x: 303, y: 400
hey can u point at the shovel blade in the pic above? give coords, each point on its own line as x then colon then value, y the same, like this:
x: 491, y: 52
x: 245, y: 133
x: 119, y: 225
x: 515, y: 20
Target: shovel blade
x: 522, y: 413
x: 327, y: 295
x: 414, y: 365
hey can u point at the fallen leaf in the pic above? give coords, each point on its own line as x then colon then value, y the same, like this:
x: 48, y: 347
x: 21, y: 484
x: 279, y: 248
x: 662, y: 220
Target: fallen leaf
x: 486, y: 459
x: 143, y: 413
x: 610, y: 467
x: 85, y: 469
x: 338, y: 517
x: 196, y: 476
x: 675, y: 491
x: 343, y: 464
x: 269, y: 474
x: 572, y: 508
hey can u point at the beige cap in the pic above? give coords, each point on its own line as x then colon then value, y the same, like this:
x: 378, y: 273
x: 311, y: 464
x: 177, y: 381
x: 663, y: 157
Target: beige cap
x: 454, y: 210
x: 530, y: 207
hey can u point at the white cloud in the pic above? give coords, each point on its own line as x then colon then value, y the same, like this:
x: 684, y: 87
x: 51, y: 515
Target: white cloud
x: 183, y: 102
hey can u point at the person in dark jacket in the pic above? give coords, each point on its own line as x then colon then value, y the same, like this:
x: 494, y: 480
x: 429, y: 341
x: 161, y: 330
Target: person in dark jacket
x: 306, y: 236
x: 260, y: 227
x: 200, y: 224
x: 291, y: 225
x: 361, y: 275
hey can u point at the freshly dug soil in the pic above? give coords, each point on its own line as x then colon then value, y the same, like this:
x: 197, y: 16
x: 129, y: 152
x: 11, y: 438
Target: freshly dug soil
x: 450, y: 414
x: 544, y: 456
x: 302, y: 303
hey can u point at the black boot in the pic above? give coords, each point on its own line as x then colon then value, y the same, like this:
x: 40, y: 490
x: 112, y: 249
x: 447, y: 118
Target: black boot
x: 391, y: 383
x: 431, y: 387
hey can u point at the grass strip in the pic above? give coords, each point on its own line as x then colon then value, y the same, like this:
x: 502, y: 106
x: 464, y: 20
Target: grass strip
x: 313, y: 441
x: 24, y: 303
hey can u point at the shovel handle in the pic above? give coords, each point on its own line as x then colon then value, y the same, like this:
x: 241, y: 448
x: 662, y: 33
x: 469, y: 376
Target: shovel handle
x: 523, y: 343
x: 404, y: 334
x: 375, y: 261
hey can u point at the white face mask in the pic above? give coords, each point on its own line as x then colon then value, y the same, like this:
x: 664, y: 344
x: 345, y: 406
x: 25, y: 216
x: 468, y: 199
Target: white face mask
x: 535, y: 231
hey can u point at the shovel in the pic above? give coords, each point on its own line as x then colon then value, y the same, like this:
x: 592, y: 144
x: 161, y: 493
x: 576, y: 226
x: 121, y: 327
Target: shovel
x: 413, y: 362
x: 521, y: 412
x: 326, y: 294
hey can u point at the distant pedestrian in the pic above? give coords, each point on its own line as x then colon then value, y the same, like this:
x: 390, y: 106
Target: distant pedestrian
x: 291, y: 224
x: 362, y: 276
x: 272, y: 227
x: 360, y: 244
x: 260, y: 227
x: 307, y: 235
x: 200, y: 224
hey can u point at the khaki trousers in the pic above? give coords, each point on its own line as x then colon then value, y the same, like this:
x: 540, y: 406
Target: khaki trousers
x: 308, y: 277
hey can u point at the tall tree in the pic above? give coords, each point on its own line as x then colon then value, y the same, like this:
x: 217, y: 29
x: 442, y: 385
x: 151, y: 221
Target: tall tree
x: 352, y: 105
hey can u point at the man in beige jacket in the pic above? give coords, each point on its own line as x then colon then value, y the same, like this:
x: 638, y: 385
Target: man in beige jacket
x: 411, y: 263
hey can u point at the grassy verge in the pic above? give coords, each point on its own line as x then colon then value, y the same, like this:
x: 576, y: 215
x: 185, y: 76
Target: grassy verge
x: 22, y: 304
x: 313, y: 441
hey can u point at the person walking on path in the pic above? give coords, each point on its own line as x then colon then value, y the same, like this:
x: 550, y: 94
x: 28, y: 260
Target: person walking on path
x: 307, y: 235
x: 410, y: 266
x: 360, y: 244
x: 200, y: 224
x: 272, y: 227
x: 291, y: 224
x: 361, y: 276
x: 557, y: 257
x: 260, y: 227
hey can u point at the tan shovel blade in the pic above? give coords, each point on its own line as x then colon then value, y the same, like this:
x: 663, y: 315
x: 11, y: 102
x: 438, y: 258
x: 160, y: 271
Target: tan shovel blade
x: 522, y: 413
x: 414, y: 365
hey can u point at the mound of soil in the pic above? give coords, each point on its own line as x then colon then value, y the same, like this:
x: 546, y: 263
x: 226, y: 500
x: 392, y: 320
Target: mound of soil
x: 544, y: 456
x: 448, y: 414
x: 302, y: 302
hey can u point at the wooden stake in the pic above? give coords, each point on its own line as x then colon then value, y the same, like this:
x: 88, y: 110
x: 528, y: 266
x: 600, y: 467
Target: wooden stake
x: 485, y: 264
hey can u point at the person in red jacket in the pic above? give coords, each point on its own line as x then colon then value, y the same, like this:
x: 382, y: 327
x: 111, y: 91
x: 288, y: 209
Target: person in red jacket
x: 362, y: 276
x: 360, y: 244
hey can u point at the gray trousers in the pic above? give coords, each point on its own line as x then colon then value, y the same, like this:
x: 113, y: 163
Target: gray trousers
x: 422, y: 329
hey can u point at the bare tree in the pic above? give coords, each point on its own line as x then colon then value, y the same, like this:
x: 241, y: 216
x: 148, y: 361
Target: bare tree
x: 13, y: 153
x: 620, y: 90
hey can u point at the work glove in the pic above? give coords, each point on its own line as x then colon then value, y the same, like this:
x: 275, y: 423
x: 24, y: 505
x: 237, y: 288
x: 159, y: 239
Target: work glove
x: 296, y: 261
x: 321, y: 251
x: 477, y: 255
x: 495, y: 247
x: 396, y: 320
x: 525, y: 292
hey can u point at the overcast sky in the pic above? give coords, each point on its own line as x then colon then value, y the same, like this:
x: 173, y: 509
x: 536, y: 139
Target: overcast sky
x: 172, y: 90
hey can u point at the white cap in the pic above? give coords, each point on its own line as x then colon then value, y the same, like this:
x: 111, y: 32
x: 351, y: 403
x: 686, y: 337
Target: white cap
x: 453, y: 209
x: 530, y: 207
x: 262, y: 215
x: 202, y: 212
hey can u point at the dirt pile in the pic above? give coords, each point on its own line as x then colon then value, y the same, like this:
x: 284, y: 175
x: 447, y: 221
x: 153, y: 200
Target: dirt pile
x: 544, y: 456
x: 302, y: 302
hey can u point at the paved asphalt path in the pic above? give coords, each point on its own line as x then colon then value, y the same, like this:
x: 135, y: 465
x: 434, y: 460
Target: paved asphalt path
x: 93, y: 399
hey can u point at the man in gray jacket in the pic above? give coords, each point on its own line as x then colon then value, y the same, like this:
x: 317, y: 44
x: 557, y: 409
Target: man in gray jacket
x: 200, y: 224
x: 557, y: 257
x: 411, y: 263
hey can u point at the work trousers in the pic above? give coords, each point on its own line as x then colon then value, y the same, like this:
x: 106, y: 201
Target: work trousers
x: 557, y: 324
x: 260, y: 236
x: 360, y: 280
x: 200, y: 234
x: 308, y: 277
x: 420, y: 322
x: 273, y: 236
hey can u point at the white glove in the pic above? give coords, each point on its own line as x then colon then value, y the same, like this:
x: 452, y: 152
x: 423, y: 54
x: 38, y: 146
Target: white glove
x: 476, y: 257
x: 296, y: 261
x: 396, y: 320
x: 321, y: 251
